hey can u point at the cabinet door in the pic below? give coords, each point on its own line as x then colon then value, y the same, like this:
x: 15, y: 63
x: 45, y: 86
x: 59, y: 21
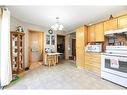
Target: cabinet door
x: 111, y: 24
x: 122, y: 22
x: 99, y: 32
x: 91, y: 34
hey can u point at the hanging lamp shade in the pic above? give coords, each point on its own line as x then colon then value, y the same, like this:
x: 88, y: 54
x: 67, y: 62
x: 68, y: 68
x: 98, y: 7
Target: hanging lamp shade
x: 57, y: 26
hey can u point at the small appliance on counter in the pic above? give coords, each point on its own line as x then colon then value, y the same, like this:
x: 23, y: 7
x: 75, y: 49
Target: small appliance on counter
x: 93, y: 48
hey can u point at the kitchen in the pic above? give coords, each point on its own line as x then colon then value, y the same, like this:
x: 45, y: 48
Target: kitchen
x: 105, y: 49
x: 98, y: 48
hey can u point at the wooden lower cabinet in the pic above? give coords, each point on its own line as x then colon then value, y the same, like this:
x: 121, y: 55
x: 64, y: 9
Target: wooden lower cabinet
x: 93, y: 62
x: 93, y: 69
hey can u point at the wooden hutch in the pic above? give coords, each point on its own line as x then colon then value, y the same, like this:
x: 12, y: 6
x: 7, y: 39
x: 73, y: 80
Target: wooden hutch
x: 17, y: 51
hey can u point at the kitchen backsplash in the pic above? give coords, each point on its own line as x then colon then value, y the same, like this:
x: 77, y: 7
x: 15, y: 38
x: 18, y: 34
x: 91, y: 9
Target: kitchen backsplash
x: 117, y: 39
x: 121, y: 38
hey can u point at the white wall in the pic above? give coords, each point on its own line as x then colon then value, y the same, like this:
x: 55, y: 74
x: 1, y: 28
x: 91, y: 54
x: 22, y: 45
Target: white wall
x: 27, y: 26
x: 53, y: 47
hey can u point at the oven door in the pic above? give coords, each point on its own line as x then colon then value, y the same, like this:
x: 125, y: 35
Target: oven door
x: 120, y: 69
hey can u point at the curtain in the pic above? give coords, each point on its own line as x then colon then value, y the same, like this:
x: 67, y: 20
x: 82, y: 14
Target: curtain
x: 0, y: 44
x: 6, y: 72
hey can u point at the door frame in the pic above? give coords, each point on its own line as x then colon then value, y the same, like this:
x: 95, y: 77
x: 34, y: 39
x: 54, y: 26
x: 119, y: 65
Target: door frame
x: 64, y: 44
x: 75, y: 47
x: 29, y: 50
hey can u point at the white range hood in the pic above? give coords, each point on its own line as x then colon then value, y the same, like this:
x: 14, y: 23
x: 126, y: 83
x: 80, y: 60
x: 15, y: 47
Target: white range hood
x: 118, y: 31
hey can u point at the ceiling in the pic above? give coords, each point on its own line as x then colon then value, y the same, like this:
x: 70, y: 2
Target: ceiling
x: 70, y: 16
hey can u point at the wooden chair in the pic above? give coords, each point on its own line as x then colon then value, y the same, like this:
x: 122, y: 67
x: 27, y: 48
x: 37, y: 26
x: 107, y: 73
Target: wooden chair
x: 51, y: 60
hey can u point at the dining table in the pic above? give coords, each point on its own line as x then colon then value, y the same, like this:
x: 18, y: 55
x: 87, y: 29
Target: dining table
x: 52, y: 58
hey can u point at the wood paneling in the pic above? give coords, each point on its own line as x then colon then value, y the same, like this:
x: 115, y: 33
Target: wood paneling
x: 111, y: 24
x: 122, y: 22
x: 81, y: 37
x: 99, y: 32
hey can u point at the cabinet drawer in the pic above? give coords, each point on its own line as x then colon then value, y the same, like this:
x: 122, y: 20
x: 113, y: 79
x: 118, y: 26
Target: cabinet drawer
x: 93, y: 63
x: 93, y: 69
x: 96, y: 54
x: 93, y: 54
x: 93, y: 58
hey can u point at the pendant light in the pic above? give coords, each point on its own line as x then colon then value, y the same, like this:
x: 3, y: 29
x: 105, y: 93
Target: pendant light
x: 57, y: 26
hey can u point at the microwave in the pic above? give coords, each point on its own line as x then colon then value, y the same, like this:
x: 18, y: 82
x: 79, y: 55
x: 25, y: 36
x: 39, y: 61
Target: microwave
x: 94, y: 48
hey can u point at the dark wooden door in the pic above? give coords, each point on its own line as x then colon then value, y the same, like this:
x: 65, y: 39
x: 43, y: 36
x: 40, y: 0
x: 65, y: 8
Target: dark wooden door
x: 74, y: 48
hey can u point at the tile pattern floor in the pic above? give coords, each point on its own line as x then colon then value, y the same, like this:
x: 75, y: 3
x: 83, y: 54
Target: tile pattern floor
x: 62, y: 76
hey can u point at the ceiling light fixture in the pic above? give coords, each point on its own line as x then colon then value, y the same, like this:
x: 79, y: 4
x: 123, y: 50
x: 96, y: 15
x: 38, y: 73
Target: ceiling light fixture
x: 57, y: 26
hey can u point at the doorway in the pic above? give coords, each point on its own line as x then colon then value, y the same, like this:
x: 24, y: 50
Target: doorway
x: 72, y: 46
x: 61, y: 45
x: 35, y: 47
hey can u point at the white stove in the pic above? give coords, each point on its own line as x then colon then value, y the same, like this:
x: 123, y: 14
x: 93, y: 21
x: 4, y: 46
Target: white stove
x: 115, y: 54
x: 116, y: 50
x: 114, y: 64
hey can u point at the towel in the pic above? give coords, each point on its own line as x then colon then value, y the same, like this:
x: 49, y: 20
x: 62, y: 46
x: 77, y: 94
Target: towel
x: 114, y: 63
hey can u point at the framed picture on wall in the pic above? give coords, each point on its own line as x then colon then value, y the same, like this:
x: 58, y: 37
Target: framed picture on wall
x: 48, y: 39
x: 52, y: 40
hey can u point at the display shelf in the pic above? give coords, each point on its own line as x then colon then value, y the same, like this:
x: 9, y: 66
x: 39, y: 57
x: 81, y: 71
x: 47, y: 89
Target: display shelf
x: 17, y: 51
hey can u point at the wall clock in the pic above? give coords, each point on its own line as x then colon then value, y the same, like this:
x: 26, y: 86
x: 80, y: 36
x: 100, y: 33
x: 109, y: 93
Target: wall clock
x: 50, y: 31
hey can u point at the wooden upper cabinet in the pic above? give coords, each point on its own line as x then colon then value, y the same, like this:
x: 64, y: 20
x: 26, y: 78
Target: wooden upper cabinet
x: 99, y: 32
x: 111, y: 24
x: 91, y: 33
x: 122, y: 22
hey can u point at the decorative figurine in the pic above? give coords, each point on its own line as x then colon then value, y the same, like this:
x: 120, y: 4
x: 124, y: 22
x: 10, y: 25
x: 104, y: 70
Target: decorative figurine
x: 19, y: 29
